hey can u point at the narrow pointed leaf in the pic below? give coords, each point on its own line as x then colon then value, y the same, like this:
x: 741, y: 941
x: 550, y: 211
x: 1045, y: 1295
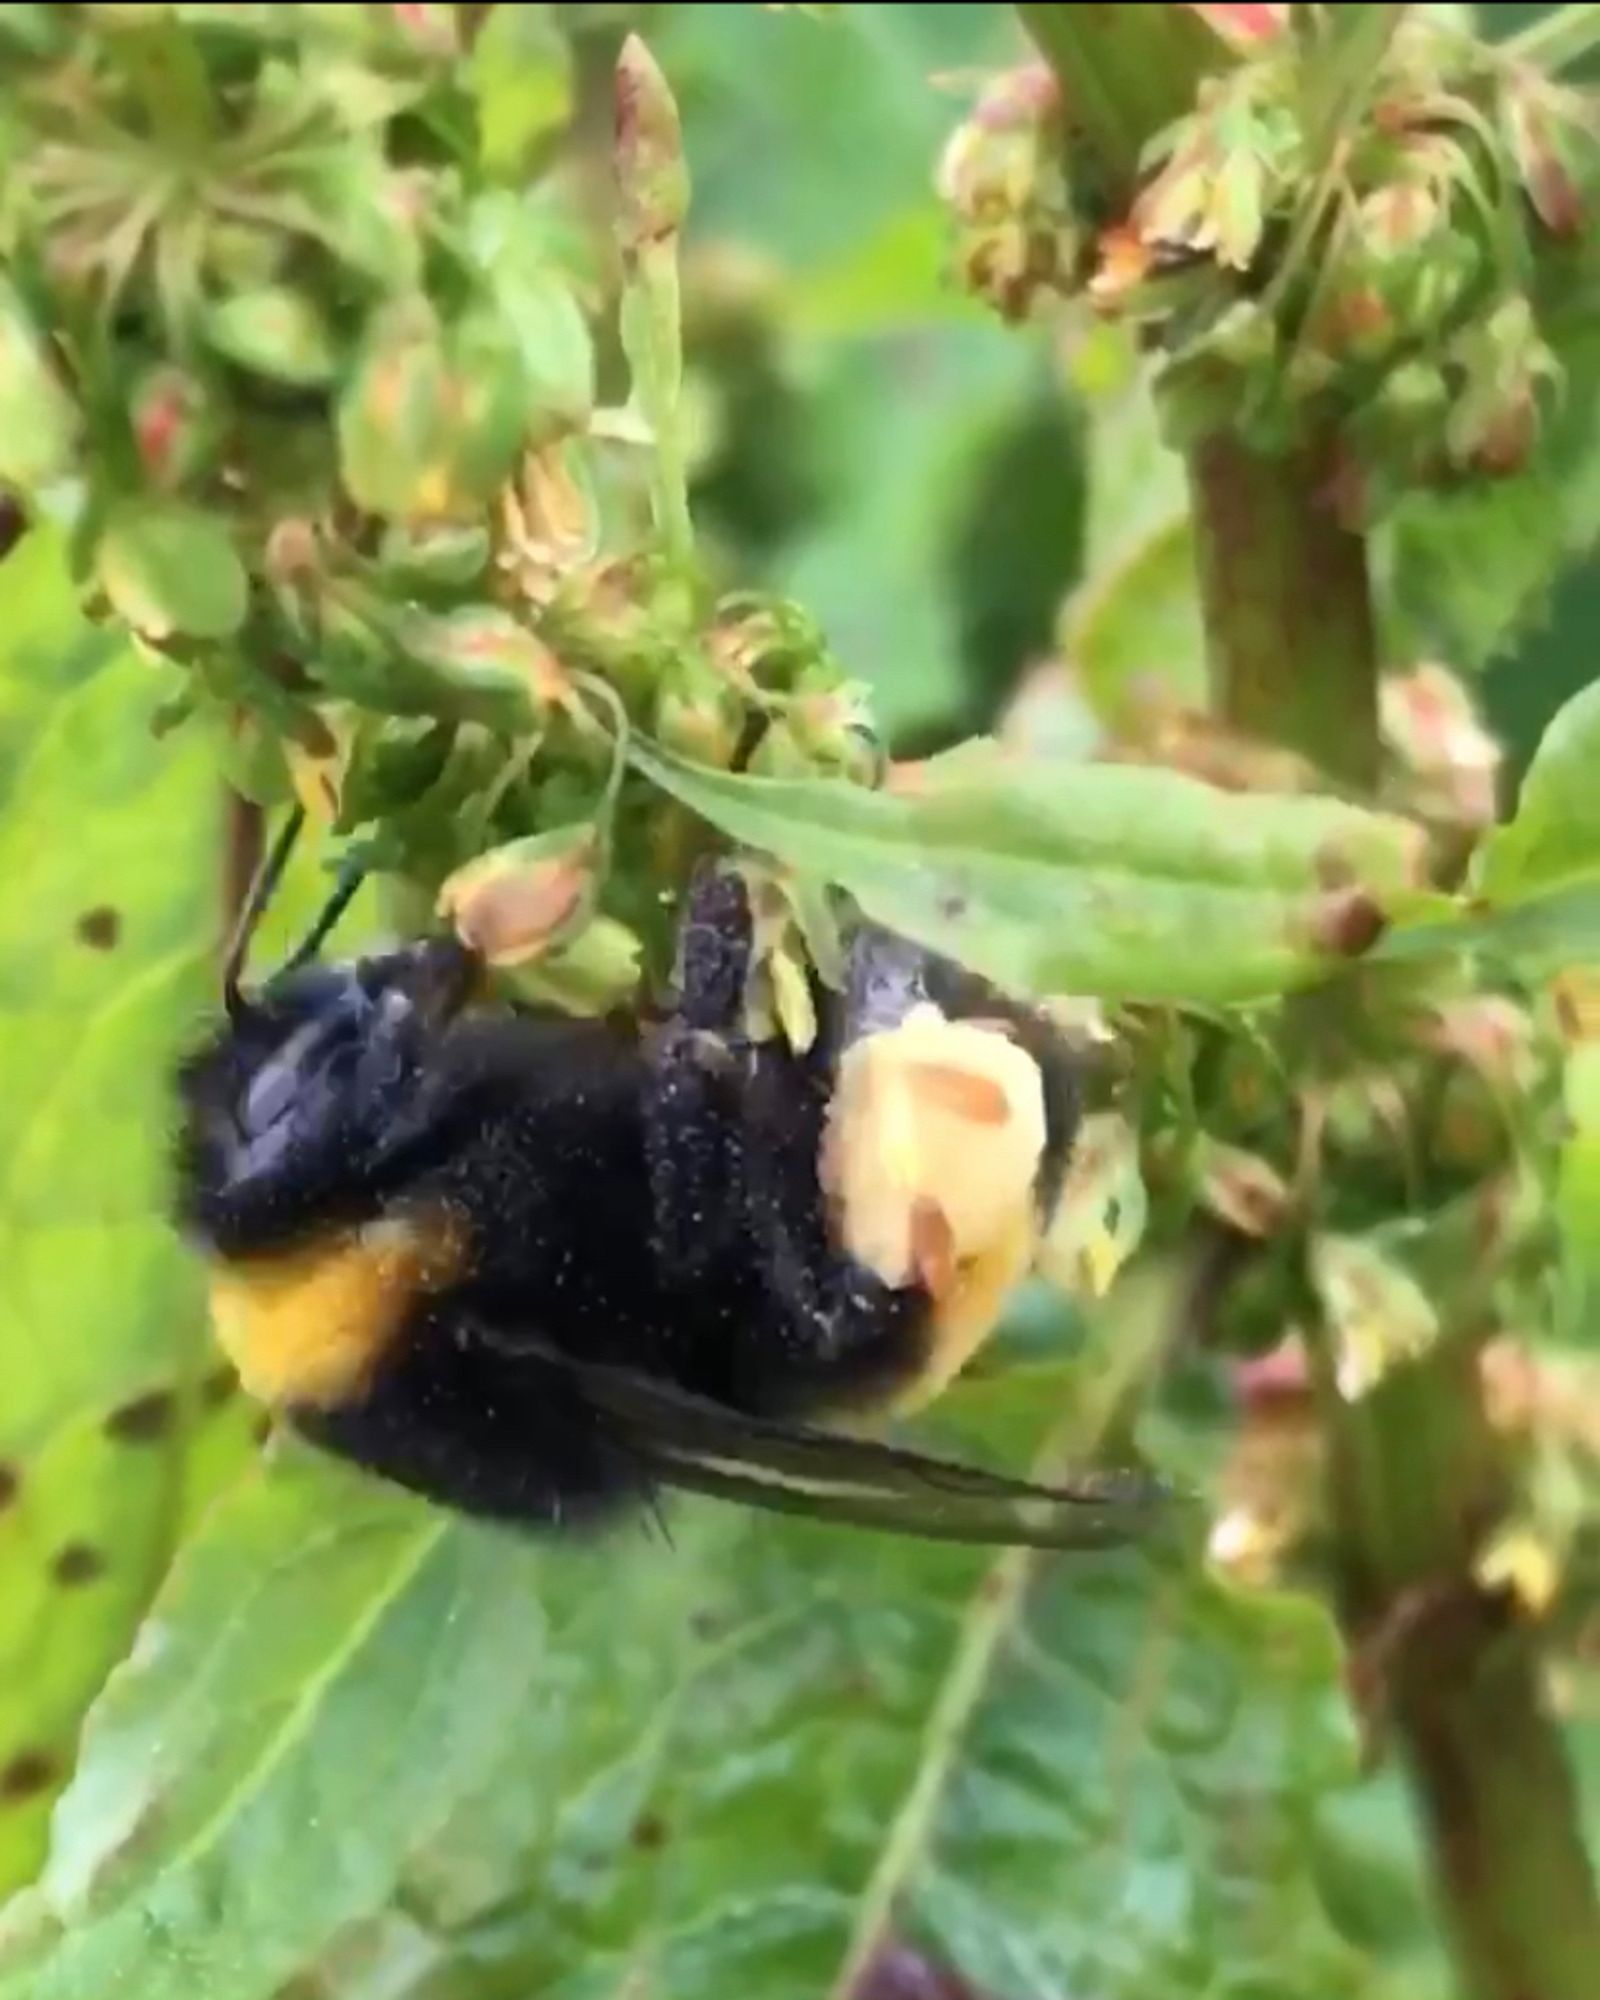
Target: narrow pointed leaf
x: 1135, y: 883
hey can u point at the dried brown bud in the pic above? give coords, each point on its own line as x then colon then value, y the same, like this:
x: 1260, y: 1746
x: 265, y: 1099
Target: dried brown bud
x: 1347, y: 923
x: 652, y: 174
x: 1001, y: 176
x: 1243, y: 1190
x: 1449, y: 761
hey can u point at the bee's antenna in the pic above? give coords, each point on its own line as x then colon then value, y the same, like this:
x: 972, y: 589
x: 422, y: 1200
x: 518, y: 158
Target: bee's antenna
x: 351, y: 876
x: 268, y: 876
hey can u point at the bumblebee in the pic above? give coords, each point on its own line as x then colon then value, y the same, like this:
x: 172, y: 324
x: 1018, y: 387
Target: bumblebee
x: 540, y: 1268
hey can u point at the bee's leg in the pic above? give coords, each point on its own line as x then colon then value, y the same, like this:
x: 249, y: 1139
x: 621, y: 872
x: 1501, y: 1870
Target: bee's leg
x: 715, y: 939
x: 835, y: 1333
x: 352, y: 875
x: 699, y: 1059
x: 693, y: 1145
x: 262, y: 890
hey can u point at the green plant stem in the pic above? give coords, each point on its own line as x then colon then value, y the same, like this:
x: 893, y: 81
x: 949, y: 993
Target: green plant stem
x: 1489, y: 1769
x: 1290, y: 643
x: 1126, y: 71
x: 1564, y: 37
x: 1416, y: 1477
x: 1353, y: 44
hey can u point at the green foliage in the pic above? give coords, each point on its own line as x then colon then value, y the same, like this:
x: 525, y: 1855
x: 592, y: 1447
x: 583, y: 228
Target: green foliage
x: 1125, y: 884
x: 313, y: 1638
x: 109, y: 1429
x: 1536, y: 887
x: 1469, y: 572
x: 172, y: 570
x: 726, y: 1770
x: 1555, y: 834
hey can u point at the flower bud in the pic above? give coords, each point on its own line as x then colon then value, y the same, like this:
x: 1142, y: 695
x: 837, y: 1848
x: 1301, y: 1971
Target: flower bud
x: 702, y: 725
x: 1540, y: 143
x: 175, y: 428
x: 1001, y: 175
x: 1242, y: 1190
x: 652, y: 174
x: 514, y: 903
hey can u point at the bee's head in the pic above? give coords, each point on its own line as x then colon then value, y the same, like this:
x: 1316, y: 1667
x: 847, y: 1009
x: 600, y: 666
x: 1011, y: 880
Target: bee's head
x: 305, y: 1107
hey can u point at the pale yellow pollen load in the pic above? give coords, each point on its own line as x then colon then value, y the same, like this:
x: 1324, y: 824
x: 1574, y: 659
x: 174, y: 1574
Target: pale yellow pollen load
x: 934, y: 1140
x: 312, y: 1327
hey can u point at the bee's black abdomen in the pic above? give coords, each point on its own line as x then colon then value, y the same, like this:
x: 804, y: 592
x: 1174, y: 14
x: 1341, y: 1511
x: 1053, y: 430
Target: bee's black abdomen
x: 497, y: 1437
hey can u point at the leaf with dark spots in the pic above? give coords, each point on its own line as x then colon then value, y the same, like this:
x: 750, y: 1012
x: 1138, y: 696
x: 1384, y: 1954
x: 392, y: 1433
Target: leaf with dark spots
x: 100, y: 928
x: 26, y: 1775
x: 329, y: 1669
x: 76, y: 1564
x: 852, y: 1742
x: 219, y: 1387
x: 145, y: 1420
x: 106, y: 840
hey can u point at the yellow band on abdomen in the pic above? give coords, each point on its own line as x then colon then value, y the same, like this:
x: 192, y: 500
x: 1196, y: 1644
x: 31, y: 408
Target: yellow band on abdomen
x: 313, y: 1325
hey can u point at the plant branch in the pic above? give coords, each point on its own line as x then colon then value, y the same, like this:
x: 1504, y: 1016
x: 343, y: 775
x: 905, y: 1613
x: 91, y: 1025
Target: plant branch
x: 1564, y: 37
x: 1416, y: 1476
x: 1355, y: 40
x: 1287, y: 605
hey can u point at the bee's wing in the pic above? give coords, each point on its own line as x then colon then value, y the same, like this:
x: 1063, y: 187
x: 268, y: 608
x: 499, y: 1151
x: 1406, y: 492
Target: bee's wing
x: 701, y: 1446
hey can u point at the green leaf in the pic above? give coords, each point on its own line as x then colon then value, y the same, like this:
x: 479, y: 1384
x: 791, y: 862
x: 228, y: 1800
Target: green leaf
x: 274, y: 332
x: 1533, y: 937
x: 538, y: 310
x: 1099, y: 879
x: 171, y: 569
x: 521, y: 69
x: 1465, y: 573
x: 328, y: 1670
x: 1132, y: 627
x: 748, y: 1758
x: 1534, y: 904
x: 110, y: 1428
x: 1555, y: 833
x: 38, y: 422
